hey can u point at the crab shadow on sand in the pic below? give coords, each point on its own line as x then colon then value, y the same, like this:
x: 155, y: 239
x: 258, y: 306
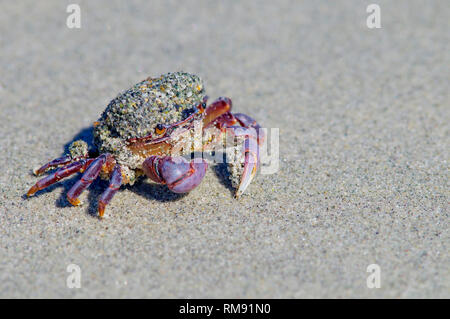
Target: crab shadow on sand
x: 221, y: 171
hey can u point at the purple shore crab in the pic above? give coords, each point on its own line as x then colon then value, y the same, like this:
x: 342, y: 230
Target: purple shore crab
x: 149, y: 130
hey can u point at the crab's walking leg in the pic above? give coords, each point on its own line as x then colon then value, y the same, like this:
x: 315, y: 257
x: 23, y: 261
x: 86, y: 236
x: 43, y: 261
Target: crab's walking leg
x: 59, y: 174
x: 52, y: 164
x: 177, y: 173
x: 247, y: 121
x: 114, y: 184
x: 218, y: 111
x: 88, y: 177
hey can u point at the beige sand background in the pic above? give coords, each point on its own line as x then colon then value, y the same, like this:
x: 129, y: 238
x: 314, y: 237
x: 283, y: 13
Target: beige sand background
x: 364, y: 149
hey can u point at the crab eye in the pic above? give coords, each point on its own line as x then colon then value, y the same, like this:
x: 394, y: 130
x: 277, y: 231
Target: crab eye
x: 160, y: 129
x: 202, y: 107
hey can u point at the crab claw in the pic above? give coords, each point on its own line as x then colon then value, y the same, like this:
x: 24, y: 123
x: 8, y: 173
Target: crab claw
x: 251, y: 155
x: 251, y: 163
x: 177, y: 173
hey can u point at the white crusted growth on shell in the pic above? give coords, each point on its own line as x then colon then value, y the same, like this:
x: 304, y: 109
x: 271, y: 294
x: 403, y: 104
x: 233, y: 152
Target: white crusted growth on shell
x: 136, y: 112
x: 78, y: 148
x: 235, y: 161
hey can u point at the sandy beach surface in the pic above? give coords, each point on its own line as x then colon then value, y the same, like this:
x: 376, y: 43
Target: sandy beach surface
x: 363, y: 117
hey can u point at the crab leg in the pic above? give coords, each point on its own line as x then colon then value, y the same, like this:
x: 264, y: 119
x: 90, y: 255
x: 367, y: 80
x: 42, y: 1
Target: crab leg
x: 177, y: 173
x: 114, y: 185
x: 88, y: 177
x: 59, y: 174
x: 216, y: 110
x: 247, y: 121
x: 52, y: 164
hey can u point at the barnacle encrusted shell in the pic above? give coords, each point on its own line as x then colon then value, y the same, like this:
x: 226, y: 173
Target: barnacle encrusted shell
x: 137, y: 111
x: 78, y: 148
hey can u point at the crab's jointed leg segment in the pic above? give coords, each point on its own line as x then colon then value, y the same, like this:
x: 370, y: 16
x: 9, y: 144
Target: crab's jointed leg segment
x: 114, y: 184
x: 88, y: 177
x: 64, y: 160
x: 247, y: 121
x: 61, y: 173
x: 218, y: 111
x: 177, y: 173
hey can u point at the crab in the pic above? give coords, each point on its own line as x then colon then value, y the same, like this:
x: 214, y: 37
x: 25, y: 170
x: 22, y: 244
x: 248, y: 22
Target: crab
x: 150, y: 130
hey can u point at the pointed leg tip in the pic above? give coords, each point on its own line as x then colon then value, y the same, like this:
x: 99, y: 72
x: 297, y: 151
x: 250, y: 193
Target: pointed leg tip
x: 74, y: 201
x: 32, y: 191
x: 101, y: 211
x: 38, y: 170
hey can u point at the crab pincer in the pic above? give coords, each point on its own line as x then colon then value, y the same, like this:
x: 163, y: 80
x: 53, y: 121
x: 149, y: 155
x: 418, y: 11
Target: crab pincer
x: 177, y: 173
x: 250, y: 152
x: 219, y: 118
